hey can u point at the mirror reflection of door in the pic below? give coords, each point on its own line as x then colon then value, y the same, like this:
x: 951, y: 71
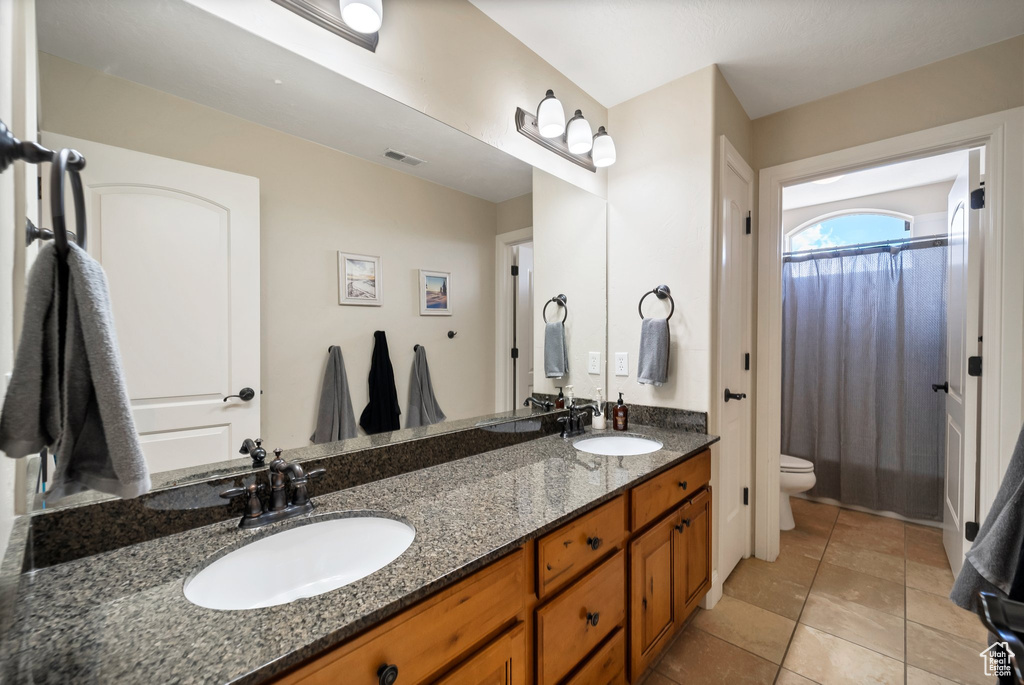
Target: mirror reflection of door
x: 523, y: 374
x: 180, y: 245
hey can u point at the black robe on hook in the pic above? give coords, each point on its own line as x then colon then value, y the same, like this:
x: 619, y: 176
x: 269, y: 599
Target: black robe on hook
x: 382, y: 412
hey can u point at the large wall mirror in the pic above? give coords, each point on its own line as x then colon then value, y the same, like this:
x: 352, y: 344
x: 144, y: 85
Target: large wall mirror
x: 250, y: 214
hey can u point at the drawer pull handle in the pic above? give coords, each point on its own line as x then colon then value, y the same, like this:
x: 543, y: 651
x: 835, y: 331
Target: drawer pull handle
x: 682, y: 484
x: 593, y: 617
x: 387, y: 674
x: 594, y: 542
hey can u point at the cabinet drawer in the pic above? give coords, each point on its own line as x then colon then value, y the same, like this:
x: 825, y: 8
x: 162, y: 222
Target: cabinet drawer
x: 653, y: 498
x: 502, y: 662
x: 423, y: 640
x: 566, y: 630
x: 565, y: 554
x: 607, y: 666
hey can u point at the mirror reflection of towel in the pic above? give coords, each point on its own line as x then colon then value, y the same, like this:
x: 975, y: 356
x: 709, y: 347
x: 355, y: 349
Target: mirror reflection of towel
x: 556, y: 354
x: 423, y: 407
x: 335, y: 419
x: 382, y: 411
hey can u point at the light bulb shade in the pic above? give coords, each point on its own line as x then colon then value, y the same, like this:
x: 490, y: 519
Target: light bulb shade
x: 363, y: 16
x: 603, y: 153
x: 550, y: 116
x: 579, y: 136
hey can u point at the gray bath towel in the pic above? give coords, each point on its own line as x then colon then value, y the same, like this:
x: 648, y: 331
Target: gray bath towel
x: 652, y: 364
x: 335, y: 419
x: 556, y: 354
x: 81, y: 411
x: 423, y: 407
x: 993, y: 560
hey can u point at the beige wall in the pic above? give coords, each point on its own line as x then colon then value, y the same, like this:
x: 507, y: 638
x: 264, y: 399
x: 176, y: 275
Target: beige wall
x: 659, y: 231
x: 569, y: 254
x: 515, y: 214
x: 990, y: 79
x: 445, y: 58
x: 315, y: 201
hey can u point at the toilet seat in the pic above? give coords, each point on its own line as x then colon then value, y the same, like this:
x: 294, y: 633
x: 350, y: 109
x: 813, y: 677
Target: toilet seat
x: 790, y: 464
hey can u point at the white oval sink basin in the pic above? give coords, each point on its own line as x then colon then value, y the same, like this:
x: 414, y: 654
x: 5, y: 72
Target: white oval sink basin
x: 617, y: 445
x: 300, y: 562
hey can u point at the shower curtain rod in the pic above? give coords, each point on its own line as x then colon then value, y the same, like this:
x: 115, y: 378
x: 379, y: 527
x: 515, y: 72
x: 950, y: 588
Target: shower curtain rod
x: 866, y: 248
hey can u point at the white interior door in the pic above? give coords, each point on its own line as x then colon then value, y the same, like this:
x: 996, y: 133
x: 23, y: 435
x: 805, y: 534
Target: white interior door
x: 962, y: 330
x: 524, y: 322
x: 180, y: 245
x: 735, y: 452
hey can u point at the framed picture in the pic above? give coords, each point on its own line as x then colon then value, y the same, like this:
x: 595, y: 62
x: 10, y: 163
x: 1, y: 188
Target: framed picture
x: 435, y: 293
x: 360, y: 280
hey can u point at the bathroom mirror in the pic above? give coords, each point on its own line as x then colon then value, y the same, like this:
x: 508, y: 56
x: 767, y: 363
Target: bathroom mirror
x: 251, y: 214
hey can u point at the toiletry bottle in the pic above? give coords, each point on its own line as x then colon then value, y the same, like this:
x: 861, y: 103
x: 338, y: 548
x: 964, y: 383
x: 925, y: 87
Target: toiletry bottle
x: 620, y: 416
x: 560, y: 402
x: 569, y: 398
x: 598, y: 421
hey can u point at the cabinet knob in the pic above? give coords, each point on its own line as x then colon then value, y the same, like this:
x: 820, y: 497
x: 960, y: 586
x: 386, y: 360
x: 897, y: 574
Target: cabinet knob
x: 686, y: 522
x: 594, y: 542
x: 593, y: 617
x: 682, y: 484
x: 387, y: 674
x: 679, y: 528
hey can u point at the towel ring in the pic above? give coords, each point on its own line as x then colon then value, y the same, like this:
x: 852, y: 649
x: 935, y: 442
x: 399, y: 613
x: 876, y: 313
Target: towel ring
x: 558, y: 299
x: 67, y: 162
x: 662, y: 291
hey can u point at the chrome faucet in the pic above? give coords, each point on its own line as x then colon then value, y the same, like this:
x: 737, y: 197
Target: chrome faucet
x: 546, y: 406
x: 284, y: 477
x: 572, y: 425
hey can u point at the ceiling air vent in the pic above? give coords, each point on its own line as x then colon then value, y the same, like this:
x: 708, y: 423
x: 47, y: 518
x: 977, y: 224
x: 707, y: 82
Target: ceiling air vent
x: 403, y: 158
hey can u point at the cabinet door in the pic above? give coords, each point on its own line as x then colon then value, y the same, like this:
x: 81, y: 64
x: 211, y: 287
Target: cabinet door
x: 652, y: 602
x: 693, y: 553
x: 502, y: 662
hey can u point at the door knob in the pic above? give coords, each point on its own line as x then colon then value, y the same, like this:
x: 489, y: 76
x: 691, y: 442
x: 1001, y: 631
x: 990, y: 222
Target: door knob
x: 944, y: 387
x: 734, y: 395
x: 245, y: 394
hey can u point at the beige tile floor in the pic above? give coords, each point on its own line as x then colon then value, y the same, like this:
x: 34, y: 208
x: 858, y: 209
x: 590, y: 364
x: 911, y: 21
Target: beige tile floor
x: 853, y: 598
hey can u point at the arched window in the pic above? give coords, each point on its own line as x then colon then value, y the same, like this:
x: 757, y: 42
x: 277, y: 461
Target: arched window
x: 849, y: 227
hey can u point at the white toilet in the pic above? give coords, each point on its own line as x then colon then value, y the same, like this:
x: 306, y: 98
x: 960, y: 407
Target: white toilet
x: 797, y: 475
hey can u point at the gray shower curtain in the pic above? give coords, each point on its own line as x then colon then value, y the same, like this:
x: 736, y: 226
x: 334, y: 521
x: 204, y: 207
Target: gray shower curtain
x: 863, y: 339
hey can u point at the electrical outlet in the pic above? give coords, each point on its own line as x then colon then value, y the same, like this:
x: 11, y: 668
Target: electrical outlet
x: 594, y: 363
x: 622, y: 363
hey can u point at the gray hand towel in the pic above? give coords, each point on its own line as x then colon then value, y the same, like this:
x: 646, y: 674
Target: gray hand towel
x: 992, y: 562
x: 556, y: 354
x: 335, y: 419
x: 423, y: 407
x: 652, y: 365
x: 83, y: 413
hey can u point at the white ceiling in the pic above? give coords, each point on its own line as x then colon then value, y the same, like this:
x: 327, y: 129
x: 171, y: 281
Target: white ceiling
x: 177, y: 48
x: 918, y: 172
x: 774, y: 53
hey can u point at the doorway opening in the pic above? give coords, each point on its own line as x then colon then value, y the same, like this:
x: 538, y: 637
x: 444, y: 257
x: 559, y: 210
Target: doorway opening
x: 514, y: 294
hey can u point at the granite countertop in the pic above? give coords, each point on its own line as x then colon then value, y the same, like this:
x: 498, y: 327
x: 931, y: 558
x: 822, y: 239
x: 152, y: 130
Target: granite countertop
x: 121, y: 616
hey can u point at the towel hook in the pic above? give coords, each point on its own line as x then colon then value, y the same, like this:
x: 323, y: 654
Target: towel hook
x: 557, y: 299
x: 661, y: 292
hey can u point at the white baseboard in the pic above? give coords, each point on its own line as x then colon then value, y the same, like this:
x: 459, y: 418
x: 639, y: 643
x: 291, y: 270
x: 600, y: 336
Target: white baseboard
x: 714, y: 594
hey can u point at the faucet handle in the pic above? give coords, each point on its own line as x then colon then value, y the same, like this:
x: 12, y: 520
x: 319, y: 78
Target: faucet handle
x: 316, y: 473
x: 234, y: 492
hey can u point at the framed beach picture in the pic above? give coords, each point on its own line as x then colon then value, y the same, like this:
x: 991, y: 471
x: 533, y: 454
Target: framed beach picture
x: 435, y: 293
x: 360, y: 280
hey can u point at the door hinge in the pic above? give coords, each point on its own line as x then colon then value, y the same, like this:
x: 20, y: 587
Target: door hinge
x: 39, y: 187
x: 515, y: 269
x: 748, y: 223
x: 515, y: 353
x: 978, y: 197
x: 746, y: 361
x: 971, y: 530
x: 974, y: 366
x: 746, y: 496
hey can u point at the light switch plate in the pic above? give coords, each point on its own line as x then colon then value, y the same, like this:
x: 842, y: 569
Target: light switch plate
x: 621, y: 363
x: 594, y: 363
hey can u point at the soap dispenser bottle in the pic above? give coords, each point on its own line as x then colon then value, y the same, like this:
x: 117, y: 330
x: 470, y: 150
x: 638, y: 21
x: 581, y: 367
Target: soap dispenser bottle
x: 598, y: 421
x: 620, y: 416
x: 560, y: 401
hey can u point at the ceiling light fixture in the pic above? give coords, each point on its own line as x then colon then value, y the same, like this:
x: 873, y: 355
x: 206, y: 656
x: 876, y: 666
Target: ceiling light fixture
x: 831, y: 179
x: 550, y: 116
x: 364, y: 16
x: 574, y: 141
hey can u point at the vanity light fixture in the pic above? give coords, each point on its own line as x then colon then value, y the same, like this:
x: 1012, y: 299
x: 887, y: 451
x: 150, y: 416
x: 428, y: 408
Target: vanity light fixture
x: 603, y: 152
x: 357, y: 21
x: 575, y: 141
